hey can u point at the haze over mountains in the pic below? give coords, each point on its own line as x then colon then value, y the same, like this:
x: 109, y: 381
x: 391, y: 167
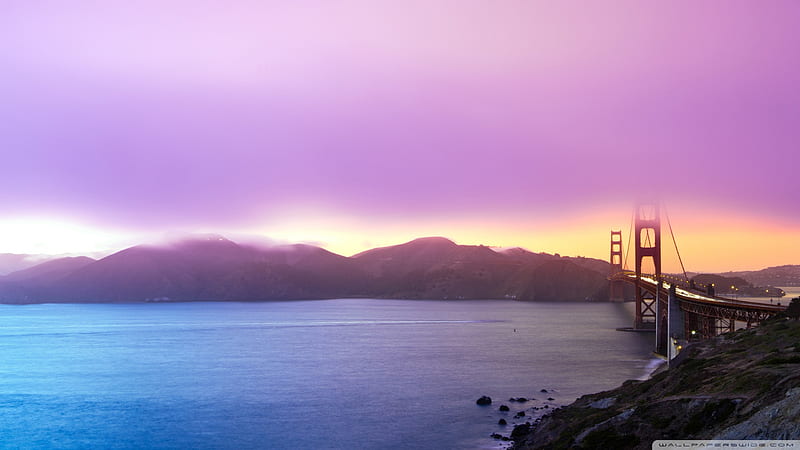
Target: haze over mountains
x: 213, y: 268
x: 12, y: 262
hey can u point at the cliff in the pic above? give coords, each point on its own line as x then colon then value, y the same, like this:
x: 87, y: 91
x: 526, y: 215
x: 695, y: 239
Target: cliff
x: 742, y: 385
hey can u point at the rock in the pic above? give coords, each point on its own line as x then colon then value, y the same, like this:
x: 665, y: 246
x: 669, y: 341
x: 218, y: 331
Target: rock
x: 512, y: 399
x: 502, y: 422
x: 503, y: 408
x: 484, y: 400
x: 505, y: 438
x: 497, y: 435
x: 520, y: 414
x: 544, y: 390
x: 520, y: 431
x: 776, y: 420
x: 762, y: 360
x: 616, y: 420
x: 522, y: 399
x: 550, y: 398
x: 603, y: 403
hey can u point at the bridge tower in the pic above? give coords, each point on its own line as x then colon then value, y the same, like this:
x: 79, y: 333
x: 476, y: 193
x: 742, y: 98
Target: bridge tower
x: 647, y: 226
x: 616, y: 288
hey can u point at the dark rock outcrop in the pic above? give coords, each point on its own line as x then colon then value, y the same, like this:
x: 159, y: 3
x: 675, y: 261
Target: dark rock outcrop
x: 520, y: 431
x: 742, y: 385
x: 484, y: 400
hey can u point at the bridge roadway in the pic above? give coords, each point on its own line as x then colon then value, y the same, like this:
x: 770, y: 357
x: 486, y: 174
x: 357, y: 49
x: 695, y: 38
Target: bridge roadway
x: 713, y: 307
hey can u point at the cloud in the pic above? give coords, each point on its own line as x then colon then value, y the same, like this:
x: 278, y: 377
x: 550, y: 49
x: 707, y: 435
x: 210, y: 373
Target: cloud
x: 150, y: 117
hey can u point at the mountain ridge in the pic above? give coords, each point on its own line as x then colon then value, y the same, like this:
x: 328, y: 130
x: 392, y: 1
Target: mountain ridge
x: 213, y: 268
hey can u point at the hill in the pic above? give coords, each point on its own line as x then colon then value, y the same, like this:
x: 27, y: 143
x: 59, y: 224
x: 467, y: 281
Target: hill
x: 742, y: 385
x: 737, y: 286
x: 211, y: 267
x: 12, y: 262
x: 771, y: 276
x: 440, y: 269
x: 434, y: 268
x: 207, y: 268
x: 49, y: 271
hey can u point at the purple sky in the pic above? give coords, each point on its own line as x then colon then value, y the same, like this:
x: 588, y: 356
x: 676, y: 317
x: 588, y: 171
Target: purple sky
x: 150, y: 116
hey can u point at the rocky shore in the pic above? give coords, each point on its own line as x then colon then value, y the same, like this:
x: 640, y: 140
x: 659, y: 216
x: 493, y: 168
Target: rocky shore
x: 741, y: 385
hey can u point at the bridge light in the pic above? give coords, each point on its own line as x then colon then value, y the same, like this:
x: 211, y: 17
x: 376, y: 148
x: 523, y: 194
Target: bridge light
x: 694, y: 332
x: 680, y: 347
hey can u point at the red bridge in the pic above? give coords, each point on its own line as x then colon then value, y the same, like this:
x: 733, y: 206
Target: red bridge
x: 677, y: 309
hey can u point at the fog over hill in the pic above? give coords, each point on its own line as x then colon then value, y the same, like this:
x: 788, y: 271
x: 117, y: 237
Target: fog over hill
x: 213, y: 268
x: 12, y: 262
x: 50, y: 270
x: 210, y: 267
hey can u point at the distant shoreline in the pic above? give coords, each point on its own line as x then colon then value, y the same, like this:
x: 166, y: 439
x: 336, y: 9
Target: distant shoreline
x: 142, y: 302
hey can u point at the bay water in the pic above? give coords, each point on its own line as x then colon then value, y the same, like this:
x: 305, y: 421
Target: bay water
x: 338, y: 374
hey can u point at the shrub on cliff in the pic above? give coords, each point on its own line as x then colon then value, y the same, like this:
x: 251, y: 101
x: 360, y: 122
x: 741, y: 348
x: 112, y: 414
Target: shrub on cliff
x: 793, y: 310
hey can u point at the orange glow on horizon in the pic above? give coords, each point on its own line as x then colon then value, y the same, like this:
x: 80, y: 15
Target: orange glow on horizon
x: 708, y: 242
x: 706, y: 245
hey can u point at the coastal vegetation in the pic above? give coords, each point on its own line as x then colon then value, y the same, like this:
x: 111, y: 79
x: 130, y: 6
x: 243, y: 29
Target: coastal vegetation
x: 740, y: 385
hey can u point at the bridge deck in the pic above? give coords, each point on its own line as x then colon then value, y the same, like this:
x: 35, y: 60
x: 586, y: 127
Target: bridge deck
x: 697, y: 298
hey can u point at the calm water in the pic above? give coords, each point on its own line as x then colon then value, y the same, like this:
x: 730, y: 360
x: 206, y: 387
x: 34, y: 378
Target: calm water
x: 309, y: 374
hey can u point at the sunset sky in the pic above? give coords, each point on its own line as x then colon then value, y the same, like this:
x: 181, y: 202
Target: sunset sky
x: 354, y: 124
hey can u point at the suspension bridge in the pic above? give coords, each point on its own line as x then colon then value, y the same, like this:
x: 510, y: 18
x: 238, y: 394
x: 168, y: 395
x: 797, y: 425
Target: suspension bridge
x: 676, y: 308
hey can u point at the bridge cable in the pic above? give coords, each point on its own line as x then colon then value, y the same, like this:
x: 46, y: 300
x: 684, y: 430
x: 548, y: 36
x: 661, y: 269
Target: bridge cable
x: 630, y: 234
x: 666, y: 213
